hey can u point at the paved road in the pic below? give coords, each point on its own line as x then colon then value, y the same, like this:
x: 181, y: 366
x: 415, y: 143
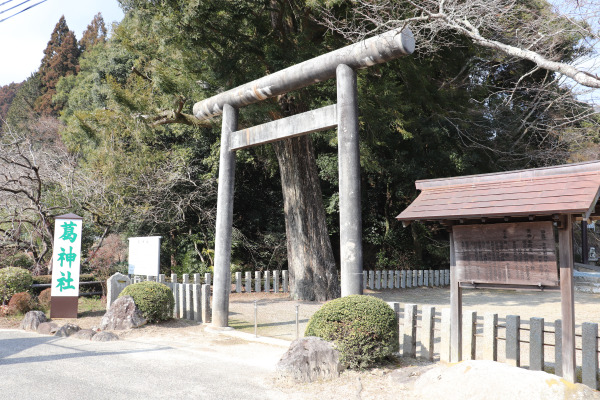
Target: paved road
x: 33, y: 366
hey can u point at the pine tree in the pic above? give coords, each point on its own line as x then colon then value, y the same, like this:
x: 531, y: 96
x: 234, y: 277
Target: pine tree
x: 61, y: 58
x: 94, y: 34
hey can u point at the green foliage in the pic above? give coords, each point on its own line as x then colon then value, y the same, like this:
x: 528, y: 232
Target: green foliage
x: 21, y: 303
x: 363, y: 328
x: 44, y: 299
x: 154, y: 300
x: 14, y: 280
x: 19, y: 260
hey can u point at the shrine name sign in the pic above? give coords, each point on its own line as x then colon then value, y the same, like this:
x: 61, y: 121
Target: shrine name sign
x: 521, y: 253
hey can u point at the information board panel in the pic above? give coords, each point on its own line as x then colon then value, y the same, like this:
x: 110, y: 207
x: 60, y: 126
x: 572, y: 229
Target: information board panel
x: 521, y: 253
x: 144, y: 255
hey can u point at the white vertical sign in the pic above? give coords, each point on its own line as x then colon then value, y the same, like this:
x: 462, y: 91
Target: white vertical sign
x: 66, y: 256
x: 144, y: 255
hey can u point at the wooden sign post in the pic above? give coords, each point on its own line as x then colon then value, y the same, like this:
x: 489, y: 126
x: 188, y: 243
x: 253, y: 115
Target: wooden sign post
x: 66, y: 260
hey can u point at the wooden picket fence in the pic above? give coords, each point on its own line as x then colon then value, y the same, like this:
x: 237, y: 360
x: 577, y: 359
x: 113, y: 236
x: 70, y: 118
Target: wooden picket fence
x: 534, y: 343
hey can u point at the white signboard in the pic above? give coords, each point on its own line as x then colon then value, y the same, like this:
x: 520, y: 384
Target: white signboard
x: 144, y: 255
x: 66, y: 257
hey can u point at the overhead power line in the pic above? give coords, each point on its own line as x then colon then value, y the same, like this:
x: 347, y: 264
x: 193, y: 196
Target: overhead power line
x: 23, y: 10
x: 8, y: 1
x: 20, y: 4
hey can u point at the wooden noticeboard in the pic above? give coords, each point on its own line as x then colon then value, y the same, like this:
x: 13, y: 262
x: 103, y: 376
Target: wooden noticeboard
x: 520, y: 253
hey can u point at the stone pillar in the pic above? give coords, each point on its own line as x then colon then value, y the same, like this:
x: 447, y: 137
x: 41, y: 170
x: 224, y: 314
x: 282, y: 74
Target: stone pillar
x: 207, y: 278
x: 436, y: 277
x: 186, y: 278
x: 403, y: 279
x: 426, y: 278
x: 513, y: 340
x: 206, y: 312
x: 377, y: 280
x: 197, y: 296
x: 371, y: 280
x: 189, y: 301
x: 558, y: 347
x: 115, y: 285
x: 238, y: 282
x: 248, y: 281
x: 267, y: 281
x: 447, y: 277
x: 197, y: 279
x: 222, y: 268
x: 589, y: 351
x: 162, y: 278
x: 174, y: 278
x: 409, y: 342
x: 390, y: 279
x: 490, y: 337
x: 349, y: 182
x: 384, y: 276
x: 536, y: 344
x: 430, y: 278
x: 182, y: 300
x: 276, y: 281
x: 397, y: 279
x: 365, y: 279
x: 257, y: 280
x: 415, y: 279
x: 427, y: 332
x: 409, y: 279
x: 286, y: 281
x: 175, y: 289
x: 420, y: 278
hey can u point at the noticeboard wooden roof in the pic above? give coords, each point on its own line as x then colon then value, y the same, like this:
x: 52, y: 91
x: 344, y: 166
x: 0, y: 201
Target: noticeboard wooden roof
x: 562, y: 189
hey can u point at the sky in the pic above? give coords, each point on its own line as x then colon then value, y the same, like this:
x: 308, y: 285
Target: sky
x: 24, y: 37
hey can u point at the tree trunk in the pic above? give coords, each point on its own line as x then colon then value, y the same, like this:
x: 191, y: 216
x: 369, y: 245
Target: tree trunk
x: 312, y: 270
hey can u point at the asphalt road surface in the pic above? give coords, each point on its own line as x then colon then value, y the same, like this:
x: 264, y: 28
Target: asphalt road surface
x: 34, y: 366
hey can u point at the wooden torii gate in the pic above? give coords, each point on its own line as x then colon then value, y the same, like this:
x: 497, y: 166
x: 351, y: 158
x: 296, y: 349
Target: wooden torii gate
x: 340, y: 64
x: 502, y: 235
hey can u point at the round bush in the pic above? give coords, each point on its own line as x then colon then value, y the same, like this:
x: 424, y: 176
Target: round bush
x: 20, y: 303
x: 363, y: 328
x: 14, y: 280
x: 44, y: 299
x: 154, y: 300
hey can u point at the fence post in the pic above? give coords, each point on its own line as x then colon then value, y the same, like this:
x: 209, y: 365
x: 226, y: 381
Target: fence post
x: 189, y: 304
x: 396, y: 307
x: 175, y: 289
x: 403, y: 279
x: 427, y: 332
x: 186, y: 278
x: 469, y: 332
x: 371, y: 280
x: 267, y: 281
x: 490, y: 337
x: 420, y: 278
x: 415, y: 275
x: 377, y: 279
x: 276, y: 281
x: 513, y: 340
x: 390, y: 280
x: 426, y: 278
x: 447, y: 277
x: 445, y: 336
x: 207, y: 278
x: 409, y: 279
x: 248, y: 279
x: 174, y: 278
x: 197, y: 279
x: 536, y: 344
x: 162, y: 278
x: 436, y: 277
x: 197, y: 296
x: 182, y: 297
x: 397, y: 279
x: 430, y: 278
x: 257, y: 281
x: 409, y: 342
x: 238, y: 282
x: 384, y: 276
x: 365, y: 279
x: 206, y: 312
x: 558, y: 347
x: 589, y: 351
x: 284, y: 275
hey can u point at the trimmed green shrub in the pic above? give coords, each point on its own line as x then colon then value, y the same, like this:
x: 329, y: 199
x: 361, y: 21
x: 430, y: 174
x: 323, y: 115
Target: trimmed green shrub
x: 363, y: 328
x: 154, y: 300
x: 20, y: 303
x: 14, y: 280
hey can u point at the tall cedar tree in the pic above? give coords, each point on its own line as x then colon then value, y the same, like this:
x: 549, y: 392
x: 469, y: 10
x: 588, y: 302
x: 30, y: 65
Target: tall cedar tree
x: 61, y: 58
x: 94, y: 34
x: 7, y: 94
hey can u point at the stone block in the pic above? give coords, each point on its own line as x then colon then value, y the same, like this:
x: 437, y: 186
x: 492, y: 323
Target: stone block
x: 32, y: 320
x: 115, y: 285
x: 123, y: 314
x: 67, y: 330
x: 309, y: 359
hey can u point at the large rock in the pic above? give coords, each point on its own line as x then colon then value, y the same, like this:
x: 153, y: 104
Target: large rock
x: 114, y: 286
x: 32, y: 320
x: 67, y: 330
x: 490, y: 380
x: 123, y: 314
x: 47, y: 328
x: 84, y: 334
x: 105, y: 337
x: 309, y: 359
